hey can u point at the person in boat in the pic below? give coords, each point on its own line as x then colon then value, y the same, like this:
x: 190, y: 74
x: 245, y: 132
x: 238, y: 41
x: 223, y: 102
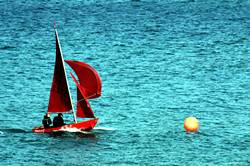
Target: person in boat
x: 58, y: 120
x: 46, y: 121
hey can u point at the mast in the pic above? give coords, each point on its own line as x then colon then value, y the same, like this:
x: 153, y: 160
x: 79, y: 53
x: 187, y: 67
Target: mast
x: 73, y: 111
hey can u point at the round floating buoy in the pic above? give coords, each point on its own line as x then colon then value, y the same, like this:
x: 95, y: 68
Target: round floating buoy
x: 191, y: 124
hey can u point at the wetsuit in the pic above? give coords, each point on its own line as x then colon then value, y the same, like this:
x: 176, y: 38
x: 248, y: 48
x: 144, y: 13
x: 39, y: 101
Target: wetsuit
x: 58, y: 121
x: 46, y: 122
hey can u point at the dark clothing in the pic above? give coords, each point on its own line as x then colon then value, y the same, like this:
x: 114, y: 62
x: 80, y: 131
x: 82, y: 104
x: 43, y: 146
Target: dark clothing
x: 46, y: 122
x: 58, y: 121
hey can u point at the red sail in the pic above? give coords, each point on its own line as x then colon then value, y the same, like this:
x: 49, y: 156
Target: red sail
x: 83, y: 107
x: 88, y: 77
x: 60, y: 99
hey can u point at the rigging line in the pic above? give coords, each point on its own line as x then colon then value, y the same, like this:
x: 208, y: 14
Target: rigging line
x: 81, y: 100
x: 86, y: 89
x: 90, y: 96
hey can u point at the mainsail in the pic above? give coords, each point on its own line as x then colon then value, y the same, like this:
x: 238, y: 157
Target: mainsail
x: 83, y: 107
x: 88, y: 77
x: 60, y: 99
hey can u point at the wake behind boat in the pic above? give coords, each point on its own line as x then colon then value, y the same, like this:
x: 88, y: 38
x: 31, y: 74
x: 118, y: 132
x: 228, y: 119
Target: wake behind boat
x: 88, y: 87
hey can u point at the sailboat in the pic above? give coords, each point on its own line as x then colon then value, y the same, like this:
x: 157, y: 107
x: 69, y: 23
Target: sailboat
x: 88, y: 86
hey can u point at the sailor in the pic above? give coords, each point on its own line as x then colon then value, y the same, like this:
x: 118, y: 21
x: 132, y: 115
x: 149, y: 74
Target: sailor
x: 58, y: 120
x: 46, y: 121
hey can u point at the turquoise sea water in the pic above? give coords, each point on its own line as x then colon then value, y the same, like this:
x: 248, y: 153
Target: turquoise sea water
x: 160, y: 62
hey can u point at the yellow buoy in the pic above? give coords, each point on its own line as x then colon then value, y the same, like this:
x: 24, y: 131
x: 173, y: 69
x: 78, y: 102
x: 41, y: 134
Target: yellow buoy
x: 191, y: 124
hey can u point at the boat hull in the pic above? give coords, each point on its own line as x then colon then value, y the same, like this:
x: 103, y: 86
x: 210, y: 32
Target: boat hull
x: 84, y: 126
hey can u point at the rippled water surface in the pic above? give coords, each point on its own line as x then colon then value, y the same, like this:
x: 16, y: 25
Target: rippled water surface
x: 160, y: 62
